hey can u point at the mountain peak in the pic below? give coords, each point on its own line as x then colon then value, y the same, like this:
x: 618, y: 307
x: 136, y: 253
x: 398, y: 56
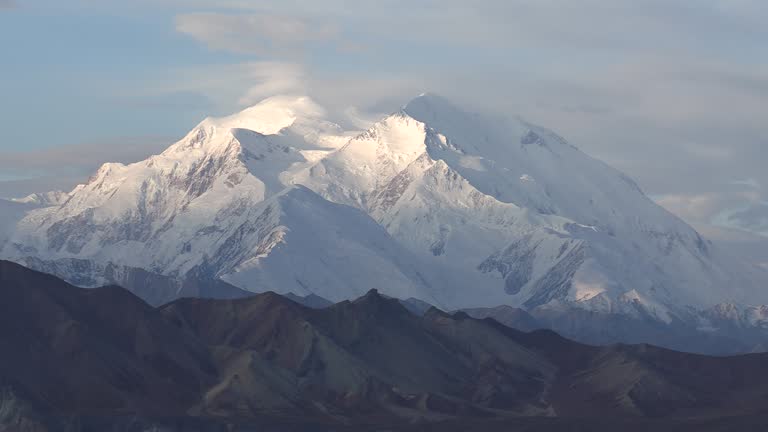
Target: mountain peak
x: 374, y: 302
x: 271, y: 115
x: 428, y: 98
x: 429, y: 106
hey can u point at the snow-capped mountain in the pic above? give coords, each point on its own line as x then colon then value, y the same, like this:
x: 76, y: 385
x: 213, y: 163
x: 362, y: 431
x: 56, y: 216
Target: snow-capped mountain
x: 43, y: 199
x: 453, y: 208
x: 13, y: 210
x: 525, y: 218
x: 215, y: 203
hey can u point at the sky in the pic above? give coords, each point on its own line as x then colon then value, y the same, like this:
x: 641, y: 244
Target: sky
x: 672, y: 92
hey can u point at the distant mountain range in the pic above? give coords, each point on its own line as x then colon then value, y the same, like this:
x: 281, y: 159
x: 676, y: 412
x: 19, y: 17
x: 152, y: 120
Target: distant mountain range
x: 452, y: 208
x: 74, y: 358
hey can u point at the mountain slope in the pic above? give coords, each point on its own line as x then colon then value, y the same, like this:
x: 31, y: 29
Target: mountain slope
x: 103, y: 353
x: 503, y: 199
x: 448, y: 207
x: 190, y: 186
x: 58, y: 340
x: 11, y: 213
x: 307, y: 245
x: 214, y: 206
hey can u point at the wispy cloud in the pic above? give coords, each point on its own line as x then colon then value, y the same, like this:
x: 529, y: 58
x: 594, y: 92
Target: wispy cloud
x: 752, y: 218
x: 743, y: 208
x: 736, y: 220
x: 225, y: 88
x: 272, y: 78
x: 61, y: 167
x: 82, y: 155
x: 253, y: 33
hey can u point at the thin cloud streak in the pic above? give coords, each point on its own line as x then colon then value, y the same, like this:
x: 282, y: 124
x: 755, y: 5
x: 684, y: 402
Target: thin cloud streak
x: 251, y: 33
x: 62, y: 167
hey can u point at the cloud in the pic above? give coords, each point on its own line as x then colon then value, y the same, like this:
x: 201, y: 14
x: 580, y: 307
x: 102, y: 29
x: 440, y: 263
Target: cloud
x: 662, y: 25
x: 21, y: 188
x: 8, y: 4
x: 696, y: 208
x: 659, y: 121
x: 752, y: 218
x: 742, y: 244
x: 82, y: 155
x: 226, y: 87
x: 253, y: 33
x: 744, y: 210
x: 61, y: 167
x: 736, y: 221
x: 272, y: 78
